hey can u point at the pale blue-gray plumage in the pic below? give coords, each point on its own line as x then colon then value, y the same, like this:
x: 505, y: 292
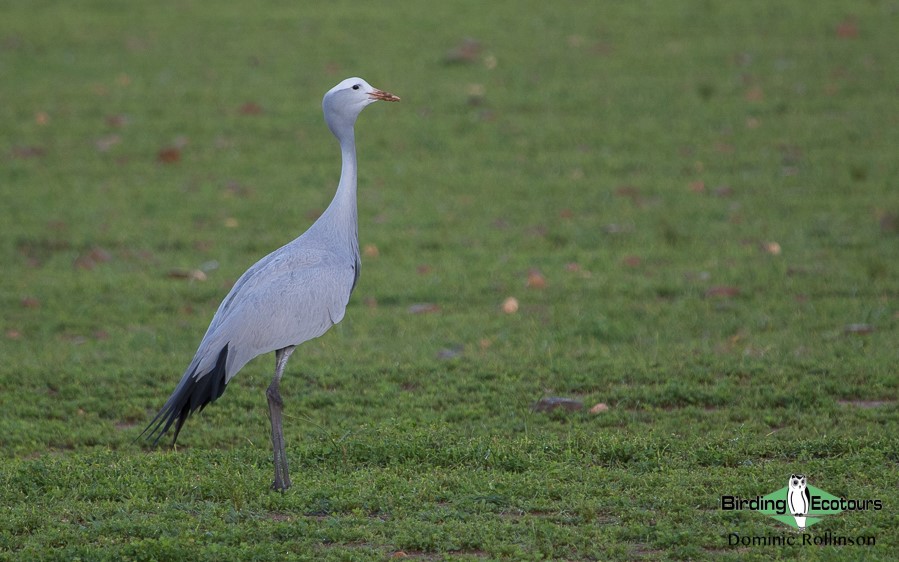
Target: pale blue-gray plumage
x: 290, y: 296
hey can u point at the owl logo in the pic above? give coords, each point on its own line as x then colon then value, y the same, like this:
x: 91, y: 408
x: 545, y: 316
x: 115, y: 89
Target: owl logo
x: 798, y: 498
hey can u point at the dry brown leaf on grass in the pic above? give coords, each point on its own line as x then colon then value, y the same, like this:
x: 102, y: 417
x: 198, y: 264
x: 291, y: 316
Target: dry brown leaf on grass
x: 168, y: 155
x: 510, y: 305
x: 25, y: 152
x: 755, y: 94
x: 89, y: 260
x: 724, y: 147
x: 772, y: 248
x: 172, y: 153
x: 117, y: 121
x: 847, y: 29
x: 370, y: 251
x: 234, y: 188
x: 888, y: 221
x: 599, y: 408
x: 722, y: 291
x: 630, y: 192
x: 190, y: 274
x: 536, y: 280
x: 466, y: 51
x: 632, y: 261
x: 250, y: 108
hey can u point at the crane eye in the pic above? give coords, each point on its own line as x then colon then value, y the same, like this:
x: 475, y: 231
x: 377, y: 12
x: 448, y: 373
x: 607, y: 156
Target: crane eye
x: 356, y: 86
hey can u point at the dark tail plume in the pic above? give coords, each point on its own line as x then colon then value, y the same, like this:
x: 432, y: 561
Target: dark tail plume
x: 192, y: 393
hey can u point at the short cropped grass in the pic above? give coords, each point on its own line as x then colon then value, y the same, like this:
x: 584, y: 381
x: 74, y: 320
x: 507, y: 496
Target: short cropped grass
x: 694, y: 205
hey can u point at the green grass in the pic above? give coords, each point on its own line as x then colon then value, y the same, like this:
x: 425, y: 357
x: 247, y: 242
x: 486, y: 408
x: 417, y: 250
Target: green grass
x: 644, y: 157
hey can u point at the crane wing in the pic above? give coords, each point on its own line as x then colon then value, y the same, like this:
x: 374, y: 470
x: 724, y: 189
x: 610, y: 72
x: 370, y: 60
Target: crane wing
x: 294, y: 299
x: 290, y: 296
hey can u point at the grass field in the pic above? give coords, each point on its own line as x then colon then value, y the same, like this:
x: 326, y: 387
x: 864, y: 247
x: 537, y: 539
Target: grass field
x: 694, y: 204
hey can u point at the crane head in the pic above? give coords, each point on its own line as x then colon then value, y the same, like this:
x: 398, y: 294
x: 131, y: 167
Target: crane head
x: 344, y: 102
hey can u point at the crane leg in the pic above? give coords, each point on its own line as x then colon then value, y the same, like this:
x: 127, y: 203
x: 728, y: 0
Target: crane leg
x: 275, y: 406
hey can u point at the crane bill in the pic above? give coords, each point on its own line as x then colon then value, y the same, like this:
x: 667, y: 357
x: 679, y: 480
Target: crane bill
x: 383, y: 96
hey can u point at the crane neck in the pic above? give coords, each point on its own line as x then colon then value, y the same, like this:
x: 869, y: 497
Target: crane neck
x: 340, y: 218
x: 346, y: 189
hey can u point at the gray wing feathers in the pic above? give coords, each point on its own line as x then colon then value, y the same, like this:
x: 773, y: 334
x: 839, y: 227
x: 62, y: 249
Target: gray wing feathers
x: 292, y: 295
x: 288, y: 297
